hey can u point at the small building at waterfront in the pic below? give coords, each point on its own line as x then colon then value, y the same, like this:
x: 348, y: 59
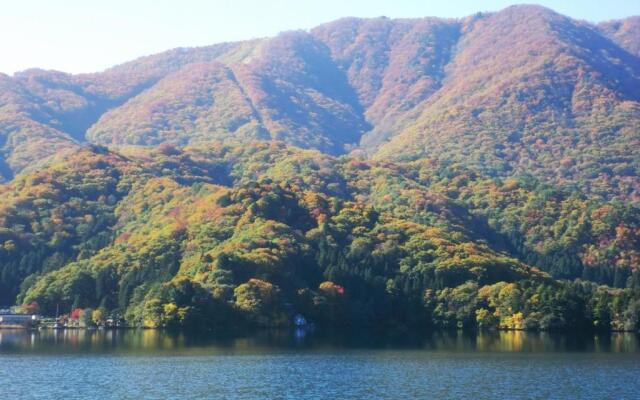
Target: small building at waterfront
x: 18, y: 320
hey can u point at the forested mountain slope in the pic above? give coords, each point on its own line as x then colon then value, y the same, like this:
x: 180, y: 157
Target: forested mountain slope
x: 231, y: 234
x: 521, y: 90
x: 625, y: 32
x: 535, y: 93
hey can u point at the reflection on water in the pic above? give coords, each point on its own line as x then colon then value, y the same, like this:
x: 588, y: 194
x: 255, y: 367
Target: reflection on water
x: 151, y: 341
x: 147, y: 364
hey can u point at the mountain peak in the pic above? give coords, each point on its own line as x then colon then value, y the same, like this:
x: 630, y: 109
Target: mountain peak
x: 529, y: 9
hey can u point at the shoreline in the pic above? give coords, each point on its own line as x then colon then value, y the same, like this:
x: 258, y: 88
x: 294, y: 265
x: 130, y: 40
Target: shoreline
x: 307, y: 330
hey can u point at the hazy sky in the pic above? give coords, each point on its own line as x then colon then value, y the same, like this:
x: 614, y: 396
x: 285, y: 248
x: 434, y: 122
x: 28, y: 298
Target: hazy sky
x: 86, y: 35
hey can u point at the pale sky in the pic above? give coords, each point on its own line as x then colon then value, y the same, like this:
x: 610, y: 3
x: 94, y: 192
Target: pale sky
x: 87, y: 36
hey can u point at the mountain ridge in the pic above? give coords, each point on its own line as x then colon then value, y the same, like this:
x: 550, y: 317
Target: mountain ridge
x: 356, y: 84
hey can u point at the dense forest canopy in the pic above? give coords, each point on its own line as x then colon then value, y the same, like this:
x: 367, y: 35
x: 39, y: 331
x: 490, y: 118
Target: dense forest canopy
x: 249, y: 234
x: 414, y: 173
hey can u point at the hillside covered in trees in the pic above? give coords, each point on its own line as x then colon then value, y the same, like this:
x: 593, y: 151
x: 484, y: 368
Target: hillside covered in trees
x: 226, y: 235
x: 420, y: 173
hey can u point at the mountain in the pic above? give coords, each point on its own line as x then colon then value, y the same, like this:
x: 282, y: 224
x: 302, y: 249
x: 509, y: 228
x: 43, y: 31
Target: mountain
x: 523, y: 90
x: 531, y: 91
x: 42, y: 112
x: 286, y: 88
x: 474, y: 172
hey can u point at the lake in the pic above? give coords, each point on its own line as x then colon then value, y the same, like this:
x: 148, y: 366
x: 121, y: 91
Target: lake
x: 147, y: 364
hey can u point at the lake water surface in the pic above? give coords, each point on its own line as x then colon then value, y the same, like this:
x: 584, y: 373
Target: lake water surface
x: 131, y: 364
